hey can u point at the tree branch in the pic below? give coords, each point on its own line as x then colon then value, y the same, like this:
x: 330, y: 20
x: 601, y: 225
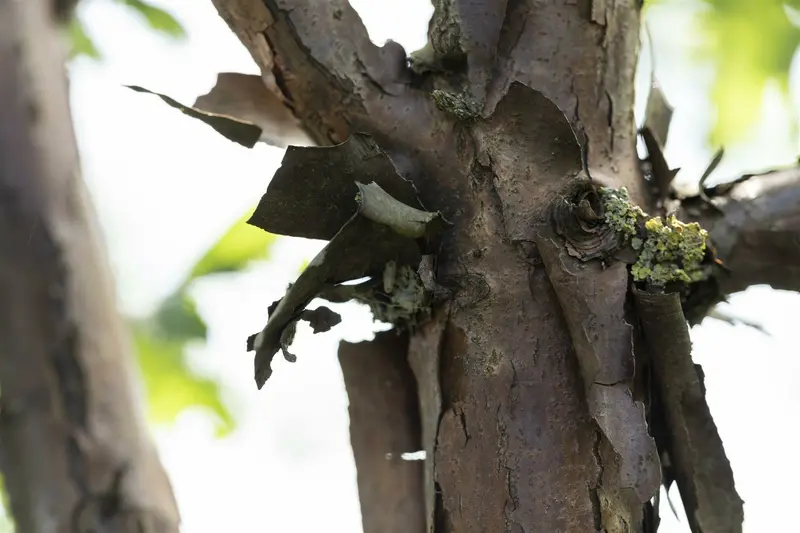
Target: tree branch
x: 756, y: 229
x: 318, y: 56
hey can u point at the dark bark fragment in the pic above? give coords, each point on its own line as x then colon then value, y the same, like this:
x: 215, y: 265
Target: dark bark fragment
x: 241, y: 132
x: 702, y: 470
x: 313, y: 193
x: 373, y: 233
x: 658, y: 114
x: 384, y: 424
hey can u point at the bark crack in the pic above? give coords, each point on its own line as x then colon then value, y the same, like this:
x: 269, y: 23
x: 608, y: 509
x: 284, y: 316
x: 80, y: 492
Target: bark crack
x: 594, y: 490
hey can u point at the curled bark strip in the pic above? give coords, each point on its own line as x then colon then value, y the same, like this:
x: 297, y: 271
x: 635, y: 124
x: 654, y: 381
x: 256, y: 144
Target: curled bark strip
x: 313, y: 193
x: 702, y: 470
x: 592, y: 299
x: 234, y: 129
x: 658, y: 114
x: 375, y: 230
x: 423, y: 357
x: 384, y: 424
x: 247, y: 98
x: 378, y: 205
x: 360, y: 249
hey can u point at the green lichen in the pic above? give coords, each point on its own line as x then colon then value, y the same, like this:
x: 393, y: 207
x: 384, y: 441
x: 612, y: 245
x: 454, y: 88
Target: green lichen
x: 619, y: 212
x: 457, y: 105
x: 668, y: 251
x: 672, y: 252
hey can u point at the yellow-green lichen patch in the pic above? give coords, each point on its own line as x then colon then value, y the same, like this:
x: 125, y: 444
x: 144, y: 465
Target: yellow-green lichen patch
x: 671, y: 252
x: 618, y: 211
x: 667, y: 251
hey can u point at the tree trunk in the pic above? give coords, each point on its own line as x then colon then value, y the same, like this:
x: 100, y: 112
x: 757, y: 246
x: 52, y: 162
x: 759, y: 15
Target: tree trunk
x: 515, y: 449
x: 76, y: 453
x: 531, y: 415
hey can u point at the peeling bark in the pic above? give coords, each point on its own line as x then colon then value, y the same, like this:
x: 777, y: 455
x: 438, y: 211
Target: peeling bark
x: 701, y: 467
x: 76, y: 454
x: 384, y: 424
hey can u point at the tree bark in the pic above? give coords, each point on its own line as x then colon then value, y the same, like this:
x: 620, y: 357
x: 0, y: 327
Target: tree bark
x: 384, y: 424
x: 74, y: 448
x: 522, y: 432
x: 515, y: 447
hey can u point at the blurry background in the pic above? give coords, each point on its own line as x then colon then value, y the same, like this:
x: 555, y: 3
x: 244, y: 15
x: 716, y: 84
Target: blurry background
x: 194, y: 281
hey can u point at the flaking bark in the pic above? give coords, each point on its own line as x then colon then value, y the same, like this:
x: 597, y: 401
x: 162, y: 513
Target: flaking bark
x: 382, y: 394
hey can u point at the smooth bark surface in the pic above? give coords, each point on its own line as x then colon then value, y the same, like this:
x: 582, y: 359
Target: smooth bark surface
x: 75, y: 451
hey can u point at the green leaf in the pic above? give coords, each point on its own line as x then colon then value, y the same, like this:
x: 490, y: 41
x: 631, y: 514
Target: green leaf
x: 177, y: 318
x: 235, y: 250
x: 80, y: 42
x: 172, y: 386
x: 157, y: 18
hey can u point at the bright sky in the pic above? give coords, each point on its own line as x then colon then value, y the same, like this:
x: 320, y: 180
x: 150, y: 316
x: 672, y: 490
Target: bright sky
x: 166, y: 187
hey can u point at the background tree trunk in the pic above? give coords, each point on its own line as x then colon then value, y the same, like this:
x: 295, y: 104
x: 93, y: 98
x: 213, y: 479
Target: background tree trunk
x: 75, y: 451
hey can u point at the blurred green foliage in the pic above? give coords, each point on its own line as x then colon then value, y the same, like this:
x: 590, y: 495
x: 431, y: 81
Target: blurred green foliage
x: 6, y: 520
x: 241, y: 244
x: 163, y: 338
x: 156, y: 19
x: 750, y: 44
x: 82, y: 44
